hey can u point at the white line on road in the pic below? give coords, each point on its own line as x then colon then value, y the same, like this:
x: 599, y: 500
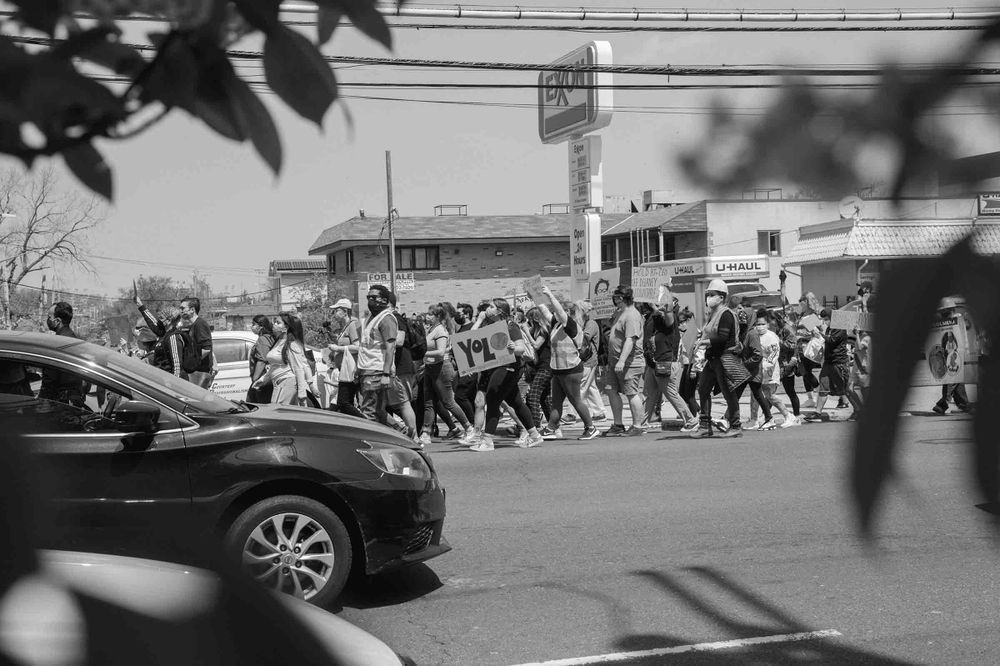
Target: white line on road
x: 681, y: 649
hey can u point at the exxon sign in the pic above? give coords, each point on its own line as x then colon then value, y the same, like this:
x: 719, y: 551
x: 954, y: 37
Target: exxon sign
x: 574, y: 101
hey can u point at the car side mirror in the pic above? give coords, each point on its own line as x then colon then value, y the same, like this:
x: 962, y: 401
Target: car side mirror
x: 136, y: 416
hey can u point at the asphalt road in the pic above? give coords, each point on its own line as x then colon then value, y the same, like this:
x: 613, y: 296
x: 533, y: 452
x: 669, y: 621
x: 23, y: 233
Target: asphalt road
x: 582, y: 549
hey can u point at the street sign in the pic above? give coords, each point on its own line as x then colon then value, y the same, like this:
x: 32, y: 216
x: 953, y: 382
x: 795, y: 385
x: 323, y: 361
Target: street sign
x: 586, y: 178
x: 585, y: 245
x: 738, y: 267
x: 573, y: 102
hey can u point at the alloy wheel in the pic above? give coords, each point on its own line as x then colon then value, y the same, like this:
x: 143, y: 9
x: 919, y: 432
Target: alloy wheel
x: 290, y: 553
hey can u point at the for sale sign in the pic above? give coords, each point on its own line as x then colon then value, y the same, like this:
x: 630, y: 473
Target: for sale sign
x: 482, y: 349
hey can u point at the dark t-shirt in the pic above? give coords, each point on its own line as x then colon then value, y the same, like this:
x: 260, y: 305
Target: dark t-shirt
x: 201, y: 334
x: 514, y: 331
x: 404, y: 360
x: 835, y: 347
x: 544, y: 353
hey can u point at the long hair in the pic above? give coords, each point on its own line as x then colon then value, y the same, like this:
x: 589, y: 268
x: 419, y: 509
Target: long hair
x: 264, y: 323
x: 293, y: 334
x: 444, y: 314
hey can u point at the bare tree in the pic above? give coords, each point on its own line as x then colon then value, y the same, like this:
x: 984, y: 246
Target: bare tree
x: 42, y: 227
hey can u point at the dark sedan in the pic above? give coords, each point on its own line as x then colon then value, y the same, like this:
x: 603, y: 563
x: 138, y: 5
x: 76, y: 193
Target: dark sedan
x: 149, y: 464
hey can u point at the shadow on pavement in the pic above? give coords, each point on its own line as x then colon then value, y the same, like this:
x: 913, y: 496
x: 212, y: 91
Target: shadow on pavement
x: 731, y: 617
x: 390, y: 588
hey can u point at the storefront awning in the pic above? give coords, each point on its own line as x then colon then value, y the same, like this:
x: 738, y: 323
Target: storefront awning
x: 889, y: 239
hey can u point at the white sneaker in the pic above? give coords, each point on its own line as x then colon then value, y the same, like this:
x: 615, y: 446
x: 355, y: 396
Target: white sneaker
x: 767, y: 425
x: 551, y: 434
x: 485, y: 443
x: 533, y: 440
x: 469, y: 437
x: 790, y: 422
x: 425, y: 439
x: 522, y: 440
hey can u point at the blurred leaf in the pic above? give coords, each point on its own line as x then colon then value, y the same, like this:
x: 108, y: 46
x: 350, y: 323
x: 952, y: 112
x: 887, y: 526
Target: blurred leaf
x: 256, y: 122
x: 58, y: 98
x: 909, y: 292
x: 297, y: 72
x: 101, y: 46
x: 364, y: 16
x: 89, y: 166
x: 261, y: 14
x: 40, y: 14
x: 327, y: 20
x: 20, y: 501
x: 173, y: 75
x: 213, y: 100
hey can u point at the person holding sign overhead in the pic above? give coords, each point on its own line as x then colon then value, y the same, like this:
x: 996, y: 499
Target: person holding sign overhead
x: 502, y: 383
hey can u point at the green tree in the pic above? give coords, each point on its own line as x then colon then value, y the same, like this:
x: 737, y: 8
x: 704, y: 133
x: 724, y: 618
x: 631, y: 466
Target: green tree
x: 46, y: 89
x: 314, y: 298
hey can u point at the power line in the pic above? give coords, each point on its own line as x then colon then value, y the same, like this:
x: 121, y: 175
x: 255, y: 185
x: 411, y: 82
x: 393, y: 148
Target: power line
x: 217, y: 269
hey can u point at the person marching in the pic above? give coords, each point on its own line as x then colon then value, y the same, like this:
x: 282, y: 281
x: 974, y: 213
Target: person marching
x: 344, y: 355
x: 261, y: 326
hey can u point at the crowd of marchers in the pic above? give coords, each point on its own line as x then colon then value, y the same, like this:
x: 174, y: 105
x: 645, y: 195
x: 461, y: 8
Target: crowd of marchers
x: 400, y: 370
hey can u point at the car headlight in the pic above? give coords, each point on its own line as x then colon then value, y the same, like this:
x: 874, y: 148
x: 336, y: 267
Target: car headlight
x: 397, y: 460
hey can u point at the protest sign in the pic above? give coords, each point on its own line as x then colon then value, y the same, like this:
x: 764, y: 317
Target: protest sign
x: 811, y: 322
x: 602, y: 284
x: 523, y: 302
x: 533, y: 287
x: 849, y: 320
x: 481, y: 349
x: 650, y: 284
x: 946, y: 354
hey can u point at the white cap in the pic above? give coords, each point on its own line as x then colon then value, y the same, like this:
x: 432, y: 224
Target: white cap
x: 342, y: 303
x: 719, y: 286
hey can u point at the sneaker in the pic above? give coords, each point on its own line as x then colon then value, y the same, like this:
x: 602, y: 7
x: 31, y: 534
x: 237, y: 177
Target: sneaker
x: 722, y: 425
x: 590, y: 433
x: 791, y: 421
x: 938, y: 409
x: 767, y: 425
x: 842, y: 404
x: 522, y: 439
x: 599, y: 418
x: 533, y: 441
x: 691, y: 426
x: 634, y: 431
x: 469, y: 437
x: 485, y: 443
x: 548, y: 433
x: 455, y: 433
x: 616, y: 430
x: 732, y: 432
x: 700, y: 432
x: 809, y: 404
x: 568, y: 419
x: 425, y: 439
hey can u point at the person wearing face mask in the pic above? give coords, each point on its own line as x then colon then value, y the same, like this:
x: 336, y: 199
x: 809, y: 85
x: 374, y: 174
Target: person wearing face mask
x: 261, y: 326
x: 287, y: 367
x: 61, y: 386
x: 376, y: 355
x: 344, y: 355
x: 723, y: 367
x: 626, y: 364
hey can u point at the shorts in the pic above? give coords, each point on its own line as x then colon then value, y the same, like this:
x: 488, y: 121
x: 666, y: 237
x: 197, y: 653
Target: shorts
x: 629, y: 382
x: 833, y: 379
x: 402, y: 389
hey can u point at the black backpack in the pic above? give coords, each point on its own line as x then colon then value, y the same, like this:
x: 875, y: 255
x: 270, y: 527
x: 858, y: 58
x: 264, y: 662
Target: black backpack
x: 415, y: 339
x: 190, y: 354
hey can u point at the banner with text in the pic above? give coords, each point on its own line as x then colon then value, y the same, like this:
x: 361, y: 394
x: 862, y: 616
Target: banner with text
x: 533, y: 287
x: 523, y: 302
x: 946, y: 354
x: 482, y: 349
x: 602, y: 285
x: 650, y: 284
x: 852, y: 319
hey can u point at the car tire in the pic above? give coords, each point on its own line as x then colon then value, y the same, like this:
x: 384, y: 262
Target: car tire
x: 264, y: 539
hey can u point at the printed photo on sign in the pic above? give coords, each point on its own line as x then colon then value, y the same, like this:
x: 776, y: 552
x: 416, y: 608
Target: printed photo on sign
x: 650, y: 284
x: 602, y: 285
x: 482, y: 349
x: 946, y: 353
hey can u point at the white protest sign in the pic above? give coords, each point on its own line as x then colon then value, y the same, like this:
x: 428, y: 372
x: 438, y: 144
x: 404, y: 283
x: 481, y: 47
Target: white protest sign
x: 602, y: 285
x: 533, y: 287
x: 849, y: 320
x: 482, y: 349
x: 523, y: 302
x: 650, y: 284
x: 946, y: 354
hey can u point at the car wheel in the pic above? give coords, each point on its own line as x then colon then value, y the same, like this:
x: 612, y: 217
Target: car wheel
x: 293, y: 545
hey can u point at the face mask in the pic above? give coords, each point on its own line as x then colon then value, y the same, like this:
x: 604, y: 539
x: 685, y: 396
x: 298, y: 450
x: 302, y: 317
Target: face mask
x: 713, y: 301
x: 53, y: 323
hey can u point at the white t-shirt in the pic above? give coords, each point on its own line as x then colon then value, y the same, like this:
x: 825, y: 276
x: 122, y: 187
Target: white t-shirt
x: 770, y: 369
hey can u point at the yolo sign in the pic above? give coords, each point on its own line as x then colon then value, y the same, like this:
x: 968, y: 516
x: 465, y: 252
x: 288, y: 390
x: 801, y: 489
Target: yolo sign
x: 482, y: 349
x: 571, y: 101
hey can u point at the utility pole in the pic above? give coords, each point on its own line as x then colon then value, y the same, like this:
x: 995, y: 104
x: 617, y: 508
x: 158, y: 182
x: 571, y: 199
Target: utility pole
x: 392, y: 238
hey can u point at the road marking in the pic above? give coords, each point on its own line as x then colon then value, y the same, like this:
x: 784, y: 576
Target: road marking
x: 681, y: 649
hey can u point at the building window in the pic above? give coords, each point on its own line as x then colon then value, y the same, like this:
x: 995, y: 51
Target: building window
x: 607, y: 254
x: 349, y: 261
x: 669, y: 248
x: 418, y: 258
x: 769, y: 243
x: 331, y: 263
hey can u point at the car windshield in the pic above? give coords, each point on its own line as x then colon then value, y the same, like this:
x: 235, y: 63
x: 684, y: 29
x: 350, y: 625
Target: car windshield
x: 143, y: 373
x: 766, y: 301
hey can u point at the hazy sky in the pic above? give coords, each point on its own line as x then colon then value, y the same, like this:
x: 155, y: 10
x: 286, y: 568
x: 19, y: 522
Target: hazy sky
x: 187, y: 198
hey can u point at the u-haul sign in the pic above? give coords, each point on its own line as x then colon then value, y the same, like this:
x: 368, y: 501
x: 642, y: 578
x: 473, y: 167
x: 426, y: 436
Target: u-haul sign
x: 571, y: 100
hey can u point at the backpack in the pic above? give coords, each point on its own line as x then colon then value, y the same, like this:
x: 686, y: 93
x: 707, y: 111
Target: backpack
x: 415, y: 340
x: 190, y: 355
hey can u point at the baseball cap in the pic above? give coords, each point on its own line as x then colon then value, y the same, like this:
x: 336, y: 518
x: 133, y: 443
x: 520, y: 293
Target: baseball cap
x: 342, y: 303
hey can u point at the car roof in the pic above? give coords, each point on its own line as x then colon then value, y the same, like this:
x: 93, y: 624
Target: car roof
x: 23, y: 339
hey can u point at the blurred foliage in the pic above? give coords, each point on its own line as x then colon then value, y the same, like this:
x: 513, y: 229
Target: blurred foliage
x: 826, y: 143
x: 314, y: 298
x: 50, y: 106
